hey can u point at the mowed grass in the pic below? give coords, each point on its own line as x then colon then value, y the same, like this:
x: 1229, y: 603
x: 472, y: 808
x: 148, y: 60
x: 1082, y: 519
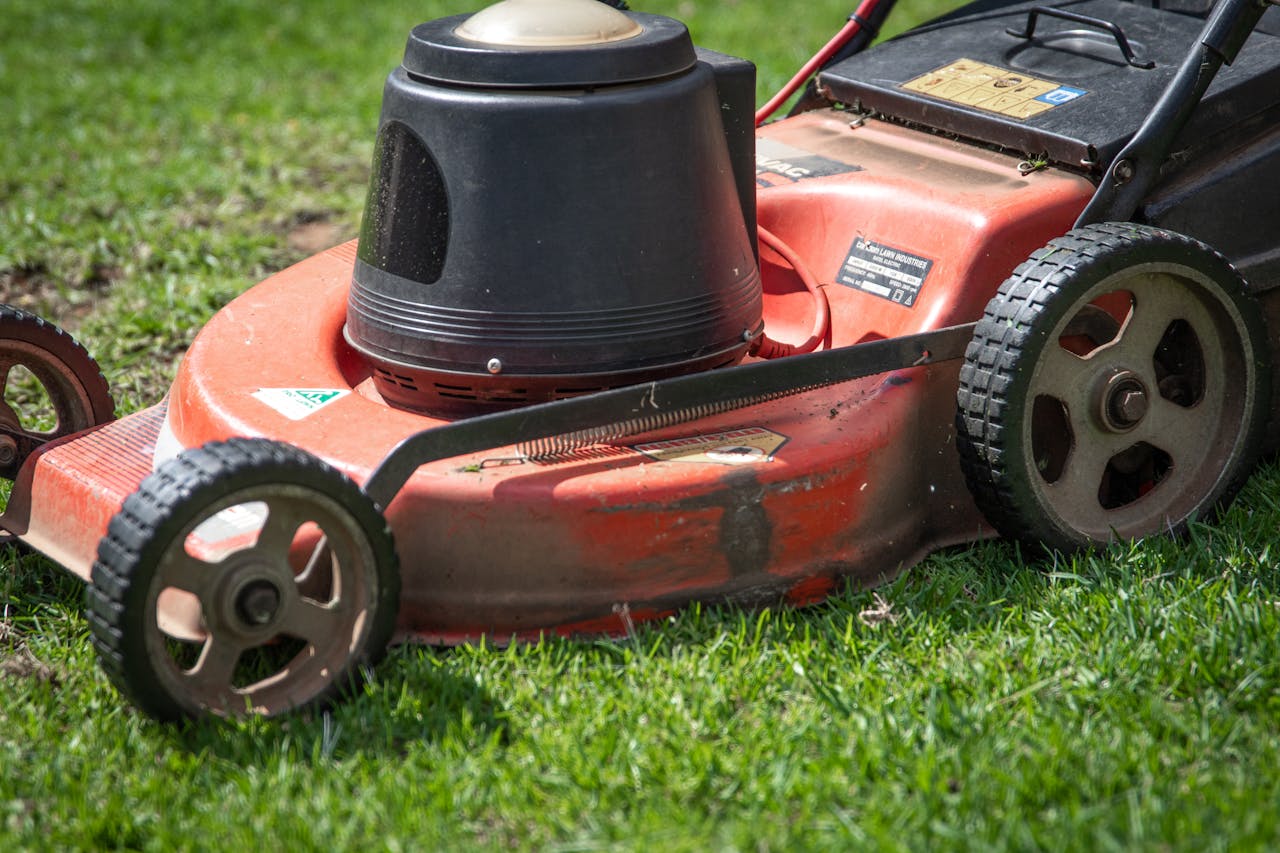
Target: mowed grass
x: 157, y: 160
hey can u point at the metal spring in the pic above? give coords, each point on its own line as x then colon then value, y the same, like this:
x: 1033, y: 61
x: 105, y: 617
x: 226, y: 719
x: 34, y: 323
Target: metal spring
x: 557, y: 447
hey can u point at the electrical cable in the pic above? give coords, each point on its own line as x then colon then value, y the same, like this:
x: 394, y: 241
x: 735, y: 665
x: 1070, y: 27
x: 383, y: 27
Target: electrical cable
x: 865, y: 12
x: 766, y: 347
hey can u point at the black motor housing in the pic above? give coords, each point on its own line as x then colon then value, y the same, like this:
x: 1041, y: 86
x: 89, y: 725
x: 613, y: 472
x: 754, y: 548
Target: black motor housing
x: 549, y: 221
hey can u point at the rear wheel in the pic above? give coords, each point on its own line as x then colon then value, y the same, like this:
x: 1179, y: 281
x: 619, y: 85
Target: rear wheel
x: 52, y: 387
x: 1116, y: 386
x: 244, y: 577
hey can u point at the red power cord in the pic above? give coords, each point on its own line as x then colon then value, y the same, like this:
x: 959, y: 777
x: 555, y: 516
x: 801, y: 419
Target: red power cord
x: 766, y: 347
x: 819, y: 59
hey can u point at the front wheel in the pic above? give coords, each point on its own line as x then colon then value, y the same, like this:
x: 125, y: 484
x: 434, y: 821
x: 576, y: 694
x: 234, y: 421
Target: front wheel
x: 1116, y: 386
x: 243, y: 577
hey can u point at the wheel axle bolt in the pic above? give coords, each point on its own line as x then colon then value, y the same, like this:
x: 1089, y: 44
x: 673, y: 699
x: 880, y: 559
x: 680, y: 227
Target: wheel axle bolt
x: 257, y: 603
x: 1129, y: 406
x: 8, y: 450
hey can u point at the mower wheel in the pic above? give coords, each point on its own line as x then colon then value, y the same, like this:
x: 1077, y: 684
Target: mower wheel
x: 243, y: 577
x: 52, y: 387
x: 1116, y: 386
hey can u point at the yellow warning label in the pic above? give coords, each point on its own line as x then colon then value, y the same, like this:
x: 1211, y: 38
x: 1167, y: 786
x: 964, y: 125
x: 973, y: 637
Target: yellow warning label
x: 733, y: 447
x: 994, y: 89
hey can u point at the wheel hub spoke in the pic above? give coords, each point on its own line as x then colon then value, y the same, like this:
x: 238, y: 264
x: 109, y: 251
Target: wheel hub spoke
x: 1180, y: 431
x: 213, y: 673
x: 1076, y: 492
x: 1150, y: 317
x: 1062, y: 374
x: 284, y: 517
x: 315, y: 623
x: 180, y: 570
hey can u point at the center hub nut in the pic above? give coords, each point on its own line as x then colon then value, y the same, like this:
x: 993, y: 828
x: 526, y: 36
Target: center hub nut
x: 257, y: 603
x: 1124, y: 401
x: 8, y: 450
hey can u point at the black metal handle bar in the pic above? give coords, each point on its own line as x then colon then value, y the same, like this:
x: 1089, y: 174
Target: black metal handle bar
x: 1076, y: 17
x: 1137, y: 166
x: 693, y: 393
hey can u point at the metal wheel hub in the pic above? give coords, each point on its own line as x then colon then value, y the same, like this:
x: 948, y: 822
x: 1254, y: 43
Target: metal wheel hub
x: 251, y: 599
x: 1122, y: 401
x: 258, y: 603
x: 8, y: 451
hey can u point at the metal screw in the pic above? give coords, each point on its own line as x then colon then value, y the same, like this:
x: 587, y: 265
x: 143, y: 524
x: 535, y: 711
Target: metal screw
x: 494, y: 366
x: 1123, y: 171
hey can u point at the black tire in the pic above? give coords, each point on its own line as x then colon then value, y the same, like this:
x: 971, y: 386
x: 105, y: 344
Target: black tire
x: 1118, y: 351
x: 72, y: 381
x: 242, y: 629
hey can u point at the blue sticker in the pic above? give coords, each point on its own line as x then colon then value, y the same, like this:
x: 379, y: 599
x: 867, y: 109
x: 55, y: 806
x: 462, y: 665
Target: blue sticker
x: 1061, y: 95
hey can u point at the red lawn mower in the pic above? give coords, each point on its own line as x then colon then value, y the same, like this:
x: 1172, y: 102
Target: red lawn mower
x: 609, y: 343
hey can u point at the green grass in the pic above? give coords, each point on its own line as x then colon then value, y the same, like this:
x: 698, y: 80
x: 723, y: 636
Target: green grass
x: 159, y: 160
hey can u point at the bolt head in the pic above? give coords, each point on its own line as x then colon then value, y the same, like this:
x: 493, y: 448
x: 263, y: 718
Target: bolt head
x: 1129, y: 405
x: 1122, y: 401
x: 1132, y: 405
x: 494, y: 366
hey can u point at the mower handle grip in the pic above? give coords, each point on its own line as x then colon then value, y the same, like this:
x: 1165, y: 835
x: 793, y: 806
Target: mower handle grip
x: 1110, y: 26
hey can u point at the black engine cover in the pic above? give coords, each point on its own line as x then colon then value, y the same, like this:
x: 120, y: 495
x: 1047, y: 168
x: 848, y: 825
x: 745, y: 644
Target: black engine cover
x: 529, y: 242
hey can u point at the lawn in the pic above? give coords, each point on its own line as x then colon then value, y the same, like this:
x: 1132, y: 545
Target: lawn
x: 158, y: 159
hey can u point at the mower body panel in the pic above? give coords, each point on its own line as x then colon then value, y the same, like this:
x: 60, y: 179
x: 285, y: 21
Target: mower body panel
x: 1219, y: 199
x: 68, y: 490
x: 911, y: 232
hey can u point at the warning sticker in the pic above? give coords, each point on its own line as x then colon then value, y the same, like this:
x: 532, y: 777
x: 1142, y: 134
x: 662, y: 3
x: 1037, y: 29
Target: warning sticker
x: 296, y: 403
x: 734, y: 447
x: 884, y: 271
x: 778, y: 163
x: 994, y: 89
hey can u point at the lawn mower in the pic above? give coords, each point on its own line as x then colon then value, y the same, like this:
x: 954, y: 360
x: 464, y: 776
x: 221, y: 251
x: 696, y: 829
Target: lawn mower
x: 610, y: 341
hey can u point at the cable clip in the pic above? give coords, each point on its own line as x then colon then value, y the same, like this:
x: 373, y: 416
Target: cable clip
x: 871, y: 29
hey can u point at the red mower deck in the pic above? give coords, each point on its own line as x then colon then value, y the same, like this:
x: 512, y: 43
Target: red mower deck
x: 783, y: 498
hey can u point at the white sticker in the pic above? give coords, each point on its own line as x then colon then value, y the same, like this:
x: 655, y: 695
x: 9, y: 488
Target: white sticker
x: 296, y: 403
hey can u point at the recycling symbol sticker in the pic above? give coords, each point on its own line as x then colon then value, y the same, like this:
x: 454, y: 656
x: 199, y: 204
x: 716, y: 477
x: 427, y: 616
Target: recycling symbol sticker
x: 297, y: 403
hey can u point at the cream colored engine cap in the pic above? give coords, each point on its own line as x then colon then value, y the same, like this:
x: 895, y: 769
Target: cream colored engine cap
x: 548, y: 23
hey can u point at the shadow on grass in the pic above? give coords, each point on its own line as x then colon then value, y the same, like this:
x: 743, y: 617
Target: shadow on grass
x: 410, y: 700
x: 415, y: 696
x: 30, y: 581
x: 422, y: 696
